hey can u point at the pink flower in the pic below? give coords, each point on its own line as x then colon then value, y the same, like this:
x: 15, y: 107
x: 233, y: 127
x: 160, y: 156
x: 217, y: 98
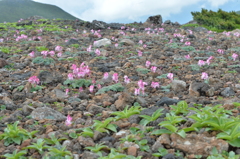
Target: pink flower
x: 1, y: 40
x: 66, y: 91
x: 52, y: 53
x: 208, y: 47
x: 137, y: 91
x: 31, y: 54
x: 59, y: 54
x: 148, y: 63
x: 204, y: 75
x: 116, y: 45
x: 105, y: 76
x: 140, y: 42
x: 99, y: 86
x: 187, y: 43
x: 89, y: 49
x: 80, y: 89
x: 34, y: 80
x: 187, y: 56
x: 97, y: 51
x: 155, y: 84
x: 234, y: 56
x: 69, y: 120
x: 91, y: 88
x: 70, y: 76
x: 144, y: 46
x: 115, y: 77
x: 220, y: 51
x: 139, y: 53
x: 201, y: 63
x: 208, y: 60
x: 58, y: 48
x: 153, y: 69
x: 141, y: 84
x: 44, y: 53
x: 170, y: 76
x: 126, y: 79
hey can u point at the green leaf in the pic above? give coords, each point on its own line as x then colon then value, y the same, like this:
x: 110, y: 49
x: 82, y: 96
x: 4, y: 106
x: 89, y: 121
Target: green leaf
x: 182, y: 133
x: 161, y: 131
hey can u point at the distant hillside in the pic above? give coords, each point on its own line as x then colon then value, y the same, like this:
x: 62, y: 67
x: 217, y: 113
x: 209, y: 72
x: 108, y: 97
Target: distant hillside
x: 238, y: 12
x: 13, y: 10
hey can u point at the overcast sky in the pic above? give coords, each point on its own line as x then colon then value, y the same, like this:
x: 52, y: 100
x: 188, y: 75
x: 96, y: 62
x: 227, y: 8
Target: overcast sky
x: 127, y: 11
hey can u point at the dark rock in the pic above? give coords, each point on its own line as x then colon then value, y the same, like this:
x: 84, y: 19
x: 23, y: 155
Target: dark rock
x: 157, y: 19
x: 19, y: 96
x: 200, y: 89
x: 170, y: 156
x: 191, y: 36
x: 96, y: 25
x: 168, y: 22
x: 3, y: 62
x: 228, y: 91
x: 47, y: 113
x: 94, y: 109
x: 21, y: 76
x: 134, y: 119
x: 115, y: 25
x: 52, y: 78
x: 72, y: 41
x: 167, y: 101
x: 200, y: 29
x: 89, y: 155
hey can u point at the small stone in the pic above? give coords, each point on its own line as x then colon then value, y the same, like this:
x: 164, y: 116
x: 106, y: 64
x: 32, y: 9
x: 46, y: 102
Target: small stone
x: 102, y: 42
x: 132, y: 150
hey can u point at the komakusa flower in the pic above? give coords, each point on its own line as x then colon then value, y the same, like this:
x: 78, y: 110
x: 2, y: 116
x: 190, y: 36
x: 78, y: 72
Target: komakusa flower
x: 105, y: 76
x: 234, y: 56
x: 115, y: 77
x: 91, y: 88
x: 170, y: 76
x: 34, y: 80
x: 148, y: 63
x: 155, y: 84
x: 153, y: 69
x: 204, y: 75
x: 187, y: 56
x: 97, y: 51
x: 58, y: 48
x: 126, y: 79
x: 68, y: 120
x: 31, y: 54
x: 201, y: 63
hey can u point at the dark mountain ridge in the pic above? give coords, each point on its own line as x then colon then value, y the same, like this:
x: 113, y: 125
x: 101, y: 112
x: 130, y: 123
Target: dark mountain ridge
x: 13, y: 10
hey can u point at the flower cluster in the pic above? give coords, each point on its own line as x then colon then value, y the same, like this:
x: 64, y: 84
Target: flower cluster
x: 79, y: 72
x: 34, y: 80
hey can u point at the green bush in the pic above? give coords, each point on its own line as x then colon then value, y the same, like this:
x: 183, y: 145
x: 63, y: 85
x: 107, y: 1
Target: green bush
x: 220, y: 20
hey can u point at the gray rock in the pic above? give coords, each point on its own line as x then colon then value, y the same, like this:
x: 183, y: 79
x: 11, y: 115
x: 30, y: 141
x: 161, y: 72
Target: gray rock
x: 21, y: 76
x: 167, y: 22
x: 102, y: 42
x: 89, y: 155
x: 141, y: 101
x: 47, y: 113
x: 200, y: 89
x: 178, y: 85
x: 59, y: 94
x: 50, y: 77
x: 157, y: 19
x: 72, y: 41
x: 228, y: 91
x: 27, y: 109
x: 167, y: 101
x: 94, y: 109
x: 115, y: 25
x: 127, y: 42
x: 66, y: 143
x: 96, y: 25
x: 200, y: 29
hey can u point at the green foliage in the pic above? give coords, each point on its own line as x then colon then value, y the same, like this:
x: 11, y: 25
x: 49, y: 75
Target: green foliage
x: 74, y: 45
x: 101, y: 57
x: 188, y: 48
x: 54, y: 141
x: 20, y: 88
x: 2, y: 107
x: 41, y: 48
x: 126, y: 113
x: 39, y: 146
x: 77, y: 83
x: 162, y: 76
x: 16, y: 155
x: 115, y: 87
x: 43, y: 61
x: 5, y: 49
x: 36, y: 88
x: 189, y: 25
x: 59, y: 153
x: 97, y: 148
x: 180, y: 108
x: 12, y: 134
x: 161, y: 152
x: 147, y: 119
x: 220, y: 20
x: 104, y: 126
x: 143, y: 70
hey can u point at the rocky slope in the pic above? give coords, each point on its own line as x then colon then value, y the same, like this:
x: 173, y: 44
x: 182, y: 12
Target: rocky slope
x: 87, y: 71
